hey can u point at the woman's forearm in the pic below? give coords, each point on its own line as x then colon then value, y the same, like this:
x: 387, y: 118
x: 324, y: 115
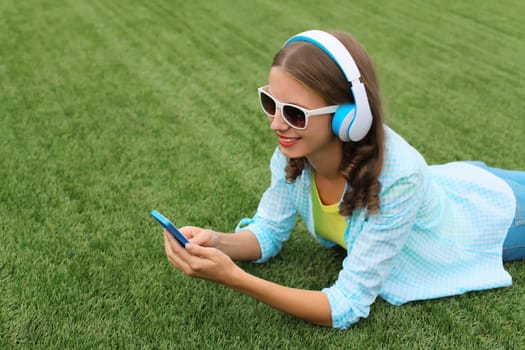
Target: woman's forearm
x: 240, y: 246
x: 311, y: 306
x: 214, y: 264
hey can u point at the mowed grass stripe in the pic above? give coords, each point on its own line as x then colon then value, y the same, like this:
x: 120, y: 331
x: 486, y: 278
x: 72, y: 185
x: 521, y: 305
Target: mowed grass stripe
x: 65, y: 122
x: 195, y: 105
x: 232, y: 102
x: 474, y: 37
x: 30, y: 128
x: 433, y: 88
x: 54, y: 203
x: 484, y: 79
x: 51, y: 150
x: 458, y: 53
x: 71, y: 259
x: 223, y: 35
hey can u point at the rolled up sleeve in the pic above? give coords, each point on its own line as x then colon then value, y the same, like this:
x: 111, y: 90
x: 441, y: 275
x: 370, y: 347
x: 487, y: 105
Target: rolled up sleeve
x: 276, y: 213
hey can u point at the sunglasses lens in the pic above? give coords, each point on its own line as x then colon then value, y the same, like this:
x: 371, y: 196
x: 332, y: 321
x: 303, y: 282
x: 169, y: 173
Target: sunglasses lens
x: 294, y: 116
x: 267, y: 103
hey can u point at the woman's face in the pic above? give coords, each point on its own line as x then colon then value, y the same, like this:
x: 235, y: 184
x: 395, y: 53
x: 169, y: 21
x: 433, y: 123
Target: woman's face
x: 317, y: 139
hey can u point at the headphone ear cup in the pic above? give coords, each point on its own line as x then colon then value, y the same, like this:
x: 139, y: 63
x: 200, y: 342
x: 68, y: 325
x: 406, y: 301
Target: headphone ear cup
x: 343, y: 120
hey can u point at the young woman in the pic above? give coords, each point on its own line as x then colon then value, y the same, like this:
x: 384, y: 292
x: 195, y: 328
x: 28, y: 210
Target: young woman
x: 411, y: 231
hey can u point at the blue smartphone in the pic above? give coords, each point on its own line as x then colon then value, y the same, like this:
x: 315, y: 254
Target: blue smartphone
x: 179, y: 237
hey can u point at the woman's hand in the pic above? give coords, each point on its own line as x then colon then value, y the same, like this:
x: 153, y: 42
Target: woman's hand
x: 201, y: 236
x: 239, y: 246
x: 197, y: 261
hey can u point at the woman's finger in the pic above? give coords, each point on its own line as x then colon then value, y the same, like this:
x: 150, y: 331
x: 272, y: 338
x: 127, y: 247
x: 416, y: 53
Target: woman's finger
x: 177, y: 255
x: 190, y: 231
x: 197, y: 250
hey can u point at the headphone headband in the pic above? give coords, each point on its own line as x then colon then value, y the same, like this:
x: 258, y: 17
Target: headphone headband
x: 358, y: 120
x: 333, y: 48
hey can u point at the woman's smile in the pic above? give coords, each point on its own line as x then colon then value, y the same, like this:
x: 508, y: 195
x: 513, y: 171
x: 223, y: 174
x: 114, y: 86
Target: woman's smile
x: 287, y: 141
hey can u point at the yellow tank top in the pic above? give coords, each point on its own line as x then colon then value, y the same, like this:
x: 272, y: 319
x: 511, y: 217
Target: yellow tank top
x: 328, y: 223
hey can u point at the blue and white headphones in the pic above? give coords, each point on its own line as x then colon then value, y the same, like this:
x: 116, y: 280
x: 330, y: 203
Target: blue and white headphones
x: 351, y: 122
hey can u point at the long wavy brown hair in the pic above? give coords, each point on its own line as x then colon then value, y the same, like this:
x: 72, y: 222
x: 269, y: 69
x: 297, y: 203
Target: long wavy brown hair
x: 363, y: 160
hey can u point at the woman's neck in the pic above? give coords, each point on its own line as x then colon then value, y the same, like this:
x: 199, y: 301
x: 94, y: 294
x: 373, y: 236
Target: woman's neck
x: 327, y: 163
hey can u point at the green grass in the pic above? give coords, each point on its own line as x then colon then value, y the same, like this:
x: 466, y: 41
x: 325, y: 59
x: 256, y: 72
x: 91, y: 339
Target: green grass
x: 111, y: 108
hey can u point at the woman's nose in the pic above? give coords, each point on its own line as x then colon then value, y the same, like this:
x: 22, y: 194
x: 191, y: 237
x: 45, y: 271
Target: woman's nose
x: 277, y: 122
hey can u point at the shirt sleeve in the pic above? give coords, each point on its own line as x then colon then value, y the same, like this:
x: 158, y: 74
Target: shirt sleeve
x: 371, y: 255
x: 276, y: 213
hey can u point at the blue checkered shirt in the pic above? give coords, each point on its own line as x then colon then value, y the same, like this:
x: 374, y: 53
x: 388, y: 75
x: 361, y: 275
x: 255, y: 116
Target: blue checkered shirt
x: 439, y: 231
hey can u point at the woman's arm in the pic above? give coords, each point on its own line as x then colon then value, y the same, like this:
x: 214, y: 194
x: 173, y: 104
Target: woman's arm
x: 212, y: 264
x: 308, y: 305
x: 239, y: 246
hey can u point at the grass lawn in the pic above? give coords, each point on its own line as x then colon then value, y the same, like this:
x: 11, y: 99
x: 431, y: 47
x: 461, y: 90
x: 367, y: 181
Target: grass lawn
x: 111, y: 108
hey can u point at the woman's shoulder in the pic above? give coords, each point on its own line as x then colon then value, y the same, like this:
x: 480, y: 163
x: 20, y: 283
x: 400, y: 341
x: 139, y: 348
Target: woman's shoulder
x: 401, y: 159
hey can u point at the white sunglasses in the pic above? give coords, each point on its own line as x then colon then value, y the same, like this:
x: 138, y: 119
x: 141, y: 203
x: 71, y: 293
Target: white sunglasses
x: 295, y: 116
